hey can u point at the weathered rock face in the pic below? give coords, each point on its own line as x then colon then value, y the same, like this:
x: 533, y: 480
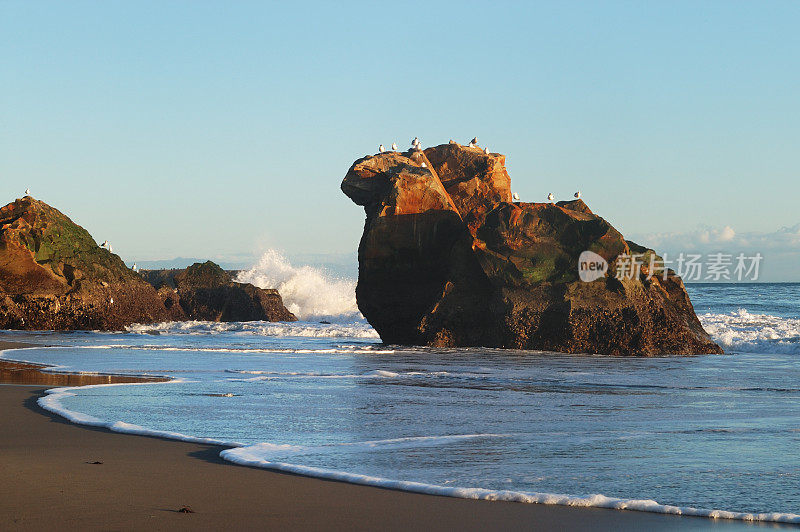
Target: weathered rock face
x: 204, y: 291
x: 446, y: 259
x: 53, y: 275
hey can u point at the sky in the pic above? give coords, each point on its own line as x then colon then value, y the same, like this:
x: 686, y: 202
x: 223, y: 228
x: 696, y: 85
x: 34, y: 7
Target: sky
x: 222, y: 129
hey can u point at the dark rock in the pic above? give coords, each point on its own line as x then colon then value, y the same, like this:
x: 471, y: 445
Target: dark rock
x: 447, y: 259
x: 204, y: 291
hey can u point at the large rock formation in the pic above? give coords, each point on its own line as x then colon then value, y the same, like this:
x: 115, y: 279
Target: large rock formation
x: 204, y: 291
x: 447, y: 259
x: 53, y: 275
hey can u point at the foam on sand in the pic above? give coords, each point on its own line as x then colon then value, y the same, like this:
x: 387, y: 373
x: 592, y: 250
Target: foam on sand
x: 51, y: 402
x: 259, y: 455
x: 255, y: 456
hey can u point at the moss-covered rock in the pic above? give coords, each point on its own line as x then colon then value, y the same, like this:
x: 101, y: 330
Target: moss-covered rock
x: 53, y: 275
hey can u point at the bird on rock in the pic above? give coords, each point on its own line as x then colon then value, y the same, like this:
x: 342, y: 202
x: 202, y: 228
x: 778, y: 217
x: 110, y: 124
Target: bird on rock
x: 578, y: 195
x: 394, y: 146
x: 550, y: 197
x: 381, y: 148
x: 473, y: 142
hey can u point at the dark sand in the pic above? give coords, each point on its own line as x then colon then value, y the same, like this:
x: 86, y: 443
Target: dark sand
x: 48, y: 481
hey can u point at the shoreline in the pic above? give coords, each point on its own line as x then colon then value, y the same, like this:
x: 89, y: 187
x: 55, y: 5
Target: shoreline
x: 31, y: 374
x: 187, y: 472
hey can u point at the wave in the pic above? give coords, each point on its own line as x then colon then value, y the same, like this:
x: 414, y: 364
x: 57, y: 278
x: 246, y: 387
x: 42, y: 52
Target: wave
x: 355, y: 329
x: 307, y: 292
x: 262, y: 375
x: 753, y: 333
x: 257, y: 456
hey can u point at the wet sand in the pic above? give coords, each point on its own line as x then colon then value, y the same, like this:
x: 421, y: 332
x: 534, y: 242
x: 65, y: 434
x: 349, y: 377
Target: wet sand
x: 50, y: 479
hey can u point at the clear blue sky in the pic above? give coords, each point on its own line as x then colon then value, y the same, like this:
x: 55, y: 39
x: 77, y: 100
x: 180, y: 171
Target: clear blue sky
x: 219, y: 129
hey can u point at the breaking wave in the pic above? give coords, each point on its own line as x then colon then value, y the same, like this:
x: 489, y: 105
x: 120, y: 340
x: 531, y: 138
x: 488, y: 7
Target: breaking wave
x: 753, y: 333
x: 355, y: 329
x: 308, y: 292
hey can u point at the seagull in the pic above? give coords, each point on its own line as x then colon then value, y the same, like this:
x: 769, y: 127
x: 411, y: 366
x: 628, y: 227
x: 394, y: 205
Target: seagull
x: 550, y: 197
x: 418, y: 147
x: 452, y: 141
x: 135, y: 268
x: 486, y: 151
x: 515, y: 196
x: 27, y: 192
x: 381, y: 148
x: 104, y: 244
x: 110, y: 300
x: 578, y: 195
x: 394, y: 146
x: 424, y: 165
x: 473, y: 142
x: 415, y: 142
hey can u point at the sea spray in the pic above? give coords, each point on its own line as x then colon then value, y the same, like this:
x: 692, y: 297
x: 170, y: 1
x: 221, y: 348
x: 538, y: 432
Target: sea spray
x: 308, y: 292
x: 743, y: 331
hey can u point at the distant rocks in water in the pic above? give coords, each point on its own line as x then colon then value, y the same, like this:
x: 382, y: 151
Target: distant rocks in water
x: 448, y: 259
x: 54, y: 276
x: 204, y: 291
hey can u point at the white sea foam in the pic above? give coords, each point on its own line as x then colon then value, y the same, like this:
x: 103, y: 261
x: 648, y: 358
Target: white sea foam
x: 306, y: 291
x: 52, y: 403
x: 238, y: 350
x: 256, y: 456
x: 263, y: 375
x: 753, y: 333
x: 355, y: 329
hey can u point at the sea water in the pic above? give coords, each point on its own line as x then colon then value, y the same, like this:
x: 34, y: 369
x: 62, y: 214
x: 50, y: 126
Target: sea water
x: 671, y: 434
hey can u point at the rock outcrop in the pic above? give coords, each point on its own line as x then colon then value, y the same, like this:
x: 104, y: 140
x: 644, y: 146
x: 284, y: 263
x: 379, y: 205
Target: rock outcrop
x: 53, y: 275
x: 204, y: 291
x: 447, y: 259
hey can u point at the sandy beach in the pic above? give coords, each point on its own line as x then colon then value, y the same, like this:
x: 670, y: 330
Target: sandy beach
x: 50, y: 478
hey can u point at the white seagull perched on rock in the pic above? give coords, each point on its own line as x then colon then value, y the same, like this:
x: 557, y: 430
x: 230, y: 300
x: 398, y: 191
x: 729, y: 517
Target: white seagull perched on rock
x: 578, y: 195
x: 550, y: 197
x: 452, y: 141
x: 394, y: 146
x: 515, y: 196
x: 381, y: 148
x: 486, y: 151
x: 135, y: 267
x: 27, y: 192
x: 418, y: 147
x: 473, y: 142
x: 424, y: 165
x: 415, y: 142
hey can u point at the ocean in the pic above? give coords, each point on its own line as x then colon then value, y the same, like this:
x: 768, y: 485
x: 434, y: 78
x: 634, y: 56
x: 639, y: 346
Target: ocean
x: 715, y: 435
